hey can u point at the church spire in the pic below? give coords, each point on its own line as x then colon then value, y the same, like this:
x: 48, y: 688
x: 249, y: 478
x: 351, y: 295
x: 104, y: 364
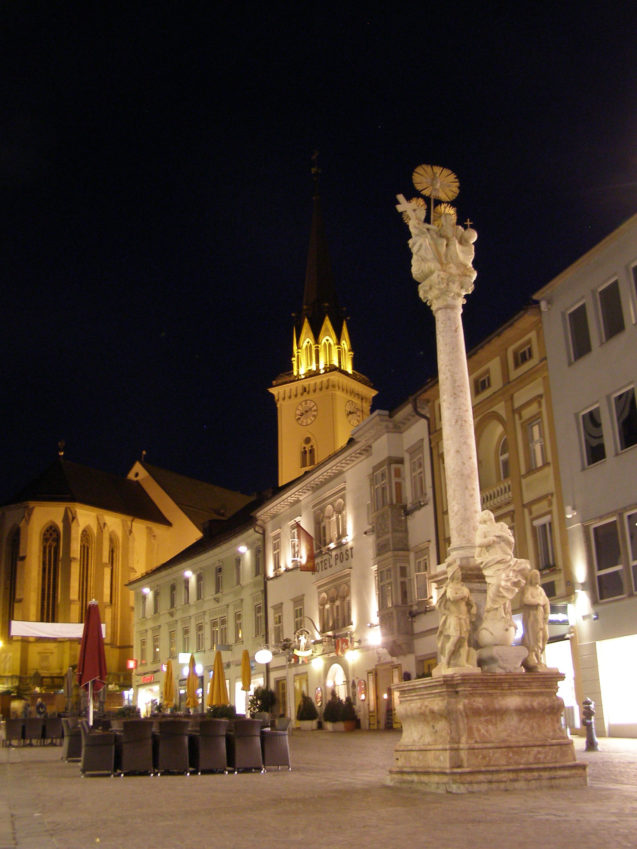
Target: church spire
x: 319, y: 294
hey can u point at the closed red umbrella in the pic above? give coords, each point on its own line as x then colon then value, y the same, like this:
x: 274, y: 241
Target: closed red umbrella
x: 91, y: 667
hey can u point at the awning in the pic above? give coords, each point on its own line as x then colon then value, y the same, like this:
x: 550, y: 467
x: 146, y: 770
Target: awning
x: 49, y: 630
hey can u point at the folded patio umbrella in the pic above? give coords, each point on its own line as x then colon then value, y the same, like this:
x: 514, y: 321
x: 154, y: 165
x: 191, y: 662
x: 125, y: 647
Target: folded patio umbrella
x: 91, y: 666
x: 246, y: 672
x: 192, y: 681
x: 168, y: 692
x: 219, y: 690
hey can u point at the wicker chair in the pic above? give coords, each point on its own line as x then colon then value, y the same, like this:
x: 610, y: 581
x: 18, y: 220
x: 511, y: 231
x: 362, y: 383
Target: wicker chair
x: 244, y: 746
x: 53, y: 730
x: 71, y: 741
x: 134, y: 747
x: 170, y: 746
x: 276, y: 748
x: 98, y: 750
x: 14, y: 730
x: 208, y: 748
x: 33, y: 730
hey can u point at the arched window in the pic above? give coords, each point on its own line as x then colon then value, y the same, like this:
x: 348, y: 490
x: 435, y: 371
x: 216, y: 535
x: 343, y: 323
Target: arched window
x: 13, y: 554
x: 113, y: 565
x: 308, y: 355
x: 503, y: 458
x: 308, y: 453
x: 50, y: 574
x: 327, y: 352
x: 86, y: 550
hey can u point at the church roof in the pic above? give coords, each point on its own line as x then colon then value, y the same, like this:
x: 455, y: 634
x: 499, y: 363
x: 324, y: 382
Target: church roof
x: 200, y: 501
x: 65, y: 481
x: 319, y: 295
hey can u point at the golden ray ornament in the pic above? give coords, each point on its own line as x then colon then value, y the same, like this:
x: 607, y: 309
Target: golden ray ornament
x: 437, y: 183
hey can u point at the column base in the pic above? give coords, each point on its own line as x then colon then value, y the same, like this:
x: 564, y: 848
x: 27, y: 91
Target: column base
x: 484, y: 731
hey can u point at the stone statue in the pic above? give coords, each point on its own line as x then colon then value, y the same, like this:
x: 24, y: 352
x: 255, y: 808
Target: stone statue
x: 457, y: 610
x: 535, y: 616
x: 504, y: 573
x: 441, y: 254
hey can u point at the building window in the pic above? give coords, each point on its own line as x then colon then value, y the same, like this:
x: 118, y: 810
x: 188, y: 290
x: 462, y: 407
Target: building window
x: 335, y: 606
x: 535, y: 441
x: 50, y: 574
x: 113, y: 562
x: 503, y: 458
x: 237, y: 571
x: 397, y: 483
x: 223, y: 630
x: 84, y: 572
x: 14, y: 553
x: 631, y: 528
x: 299, y: 614
x: 277, y: 625
x: 592, y: 436
x: 156, y: 602
x: 403, y: 583
x: 626, y: 418
x: 172, y: 643
x: 523, y: 354
x: 308, y: 452
x: 417, y: 473
x: 379, y: 489
x: 143, y: 605
x: 199, y: 586
x: 544, y: 543
x: 186, y: 590
x: 579, y: 337
x: 218, y: 579
x: 295, y: 545
x: 330, y: 521
x: 481, y: 383
x: 610, y: 307
x: 214, y: 633
x: 607, y: 554
x: 385, y: 597
x: 276, y: 552
x: 185, y: 638
x: 199, y: 646
x: 258, y: 619
x: 173, y: 596
x: 421, y: 575
x: 142, y: 650
x: 155, y: 648
x: 238, y: 626
x: 258, y: 562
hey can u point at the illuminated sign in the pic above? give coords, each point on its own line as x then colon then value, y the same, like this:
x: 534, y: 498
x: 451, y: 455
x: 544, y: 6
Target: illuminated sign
x: 148, y: 679
x: 131, y: 663
x: 335, y: 560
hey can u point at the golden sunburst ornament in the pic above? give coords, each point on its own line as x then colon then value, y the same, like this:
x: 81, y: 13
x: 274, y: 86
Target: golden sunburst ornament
x: 436, y: 182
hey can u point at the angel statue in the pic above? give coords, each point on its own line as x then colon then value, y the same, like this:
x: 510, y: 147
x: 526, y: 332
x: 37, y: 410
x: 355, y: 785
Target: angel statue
x: 535, y: 616
x: 504, y: 573
x: 457, y: 610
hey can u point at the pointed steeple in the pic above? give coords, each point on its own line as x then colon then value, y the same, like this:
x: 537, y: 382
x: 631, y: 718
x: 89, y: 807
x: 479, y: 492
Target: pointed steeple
x: 319, y: 294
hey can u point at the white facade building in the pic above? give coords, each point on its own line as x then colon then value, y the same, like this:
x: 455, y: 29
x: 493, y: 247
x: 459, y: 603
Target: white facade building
x: 364, y: 618
x: 589, y: 317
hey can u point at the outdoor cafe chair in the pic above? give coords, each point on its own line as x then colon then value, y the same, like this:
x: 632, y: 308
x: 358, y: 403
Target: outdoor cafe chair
x: 134, y: 747
x: 208, y: 747
x: 170, y: 746
x: 72, y: 740
x: 53, y: 729
x: 244, y: 746
x: 33, y: 729
x: 276, y: 748
x: 14, y: 730
x: 98, y: 750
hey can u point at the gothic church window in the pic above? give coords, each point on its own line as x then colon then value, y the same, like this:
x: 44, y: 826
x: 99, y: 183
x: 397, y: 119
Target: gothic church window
x: 50, y: 574
x: 84, y: 573
x: 13, y: 552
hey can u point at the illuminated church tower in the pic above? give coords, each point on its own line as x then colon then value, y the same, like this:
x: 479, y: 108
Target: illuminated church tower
x: 322, y: 399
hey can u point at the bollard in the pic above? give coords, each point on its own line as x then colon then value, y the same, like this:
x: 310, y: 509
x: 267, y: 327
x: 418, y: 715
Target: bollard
x: 588, y: 721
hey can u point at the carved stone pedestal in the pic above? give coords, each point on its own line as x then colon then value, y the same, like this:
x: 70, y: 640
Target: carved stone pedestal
x: 484, y: 731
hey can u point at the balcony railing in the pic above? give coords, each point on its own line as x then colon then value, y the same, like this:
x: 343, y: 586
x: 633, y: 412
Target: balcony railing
x: 496, y: 496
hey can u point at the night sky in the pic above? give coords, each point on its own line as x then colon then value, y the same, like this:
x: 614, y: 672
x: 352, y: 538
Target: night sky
x: 156, y: 202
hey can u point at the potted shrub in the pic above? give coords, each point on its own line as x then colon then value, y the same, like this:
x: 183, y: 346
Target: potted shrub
x: 333, y: 713
x: 306, y: 713
x: 348, y: 715
x: 221, y: 712
x: 261, y: 701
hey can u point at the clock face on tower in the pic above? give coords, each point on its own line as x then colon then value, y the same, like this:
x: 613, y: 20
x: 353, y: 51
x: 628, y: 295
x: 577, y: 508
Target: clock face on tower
x: 353, y: 413
x: 306, y: 412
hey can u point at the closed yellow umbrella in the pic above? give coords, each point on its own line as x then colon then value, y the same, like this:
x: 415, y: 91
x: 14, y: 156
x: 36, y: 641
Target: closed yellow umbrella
x: 219, y: 690
x: 246, y: 672
x: 168, y: 693
x: 209, y: 702
x: 191, y: 685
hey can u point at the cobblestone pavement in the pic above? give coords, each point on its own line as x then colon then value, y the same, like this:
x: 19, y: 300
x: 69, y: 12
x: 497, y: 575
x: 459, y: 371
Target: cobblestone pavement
x: 335, y: 796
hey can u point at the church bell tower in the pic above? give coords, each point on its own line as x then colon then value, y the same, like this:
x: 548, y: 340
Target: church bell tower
x: 322, y: 398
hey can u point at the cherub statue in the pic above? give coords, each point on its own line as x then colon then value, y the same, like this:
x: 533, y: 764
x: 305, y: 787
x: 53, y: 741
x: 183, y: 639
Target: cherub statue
x: 535, y: 616
x: 457, y: 610
x: 504, y: 573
